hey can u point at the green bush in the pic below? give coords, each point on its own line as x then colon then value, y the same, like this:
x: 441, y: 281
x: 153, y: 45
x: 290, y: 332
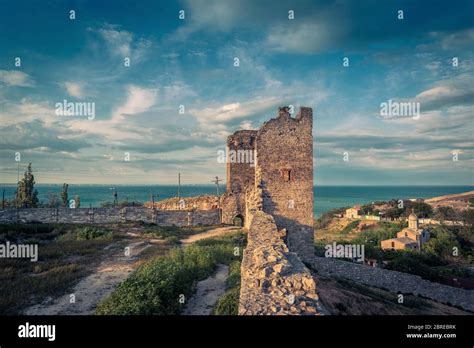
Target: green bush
x: 228, y: 304
x: 412, y: 266
x: 350, y: 227
x: 87, y: 233
x: 441, y: 244
x: 373, y: 236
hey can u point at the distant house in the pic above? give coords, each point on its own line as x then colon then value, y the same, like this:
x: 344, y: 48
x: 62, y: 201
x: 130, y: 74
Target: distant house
x: 353, y: 213
x: 410, y: 238
x: 372, y: 217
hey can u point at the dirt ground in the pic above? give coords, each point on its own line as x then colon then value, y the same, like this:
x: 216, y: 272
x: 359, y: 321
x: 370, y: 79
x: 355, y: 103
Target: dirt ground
x: 208, y: 292
x: 93, y: 288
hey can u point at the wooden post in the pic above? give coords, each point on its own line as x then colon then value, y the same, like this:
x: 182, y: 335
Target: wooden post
x: 216, y: 181
x: 179, y: 186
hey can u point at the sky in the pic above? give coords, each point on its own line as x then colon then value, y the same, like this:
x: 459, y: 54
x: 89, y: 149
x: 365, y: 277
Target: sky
x: 171, y: 108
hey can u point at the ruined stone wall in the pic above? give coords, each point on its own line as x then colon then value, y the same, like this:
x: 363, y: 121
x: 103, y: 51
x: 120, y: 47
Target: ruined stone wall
x: 240, y: 173
x: 204, y: 202
x: 284, y: 149
x: 230, y: 205
x: 274, y: 281
x: 395, y: 282
x: 111, y: 215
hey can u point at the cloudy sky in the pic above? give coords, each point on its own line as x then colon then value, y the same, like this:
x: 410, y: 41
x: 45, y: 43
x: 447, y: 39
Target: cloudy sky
x: 190, y: 62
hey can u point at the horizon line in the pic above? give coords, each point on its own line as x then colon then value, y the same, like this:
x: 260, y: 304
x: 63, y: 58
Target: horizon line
x: 223, y: 184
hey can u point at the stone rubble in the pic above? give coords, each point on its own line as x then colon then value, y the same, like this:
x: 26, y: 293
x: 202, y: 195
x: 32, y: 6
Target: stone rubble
x: 274, y: 281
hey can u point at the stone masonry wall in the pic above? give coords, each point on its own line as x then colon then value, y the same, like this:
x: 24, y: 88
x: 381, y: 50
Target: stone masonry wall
x: 274, y: 281
x: 396, y: 282
x: 285, y: 162
x: 204, y: 202
x: 240, y: 159
x: 240, y: 173
x: 111, y: 215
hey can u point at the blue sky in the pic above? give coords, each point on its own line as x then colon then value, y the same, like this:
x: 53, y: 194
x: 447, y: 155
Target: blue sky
x: 190, y: 62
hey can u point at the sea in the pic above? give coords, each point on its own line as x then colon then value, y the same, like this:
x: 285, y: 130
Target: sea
x: 325, y: 197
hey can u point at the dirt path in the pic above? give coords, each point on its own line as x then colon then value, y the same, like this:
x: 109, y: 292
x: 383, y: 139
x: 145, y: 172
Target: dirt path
x: 93, y: 288
x: 215, y: 232
x: 207, y: 294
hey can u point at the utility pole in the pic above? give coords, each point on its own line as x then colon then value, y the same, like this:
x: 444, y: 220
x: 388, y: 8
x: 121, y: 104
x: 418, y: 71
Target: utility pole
x: 216, y: 181
x: 179, y: 186
x: 3, y: 199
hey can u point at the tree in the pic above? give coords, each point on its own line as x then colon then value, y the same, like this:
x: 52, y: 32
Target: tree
x: 446, y: 213
x: 421, y: 209
x: 64, y: 195
x: 26, y: 194
x: 367, y: 209
x: 442, y: 245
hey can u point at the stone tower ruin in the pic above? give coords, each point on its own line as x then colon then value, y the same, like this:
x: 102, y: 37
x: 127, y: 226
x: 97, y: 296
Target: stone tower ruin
x: 277, y: 178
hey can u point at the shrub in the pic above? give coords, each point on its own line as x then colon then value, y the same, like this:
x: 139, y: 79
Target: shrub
x: 413, y: 266
x: 87, y: 233
x: 228, y: 304
x: 350, y: 227
x: 442, y: 244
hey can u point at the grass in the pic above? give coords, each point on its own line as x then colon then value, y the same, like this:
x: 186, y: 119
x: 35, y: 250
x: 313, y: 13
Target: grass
x: 87, y: 233
x: 350, y: 227
x: 170, y: 232
x: 158, y: 285
x: 228, y: 303
x: 66, y: 254
x: 60, y: 263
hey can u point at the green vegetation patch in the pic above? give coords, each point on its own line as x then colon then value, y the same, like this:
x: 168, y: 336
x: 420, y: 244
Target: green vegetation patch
x: 87, y: 233
x: 157, y: 286
x: 350, y: 227
x: 168, y: 232
x: 61, y: 263
x: 228, y: 303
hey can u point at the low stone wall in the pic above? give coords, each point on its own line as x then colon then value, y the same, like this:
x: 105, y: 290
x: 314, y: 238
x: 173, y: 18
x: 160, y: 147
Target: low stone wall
x: 274, y: 281
x: 111, y: 215
x: 395, y: 282
x: 205, y: 202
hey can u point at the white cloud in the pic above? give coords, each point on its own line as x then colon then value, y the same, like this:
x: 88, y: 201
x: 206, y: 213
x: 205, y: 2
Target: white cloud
x: 217, y: 116
x: 74, y: 89
x: 456, y: 40
x: 120, y: 127
x: 306, y: 37
x: 122, y: 43
x: 27, y: 111
x: 16, y: 78
x: 138, y: 100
